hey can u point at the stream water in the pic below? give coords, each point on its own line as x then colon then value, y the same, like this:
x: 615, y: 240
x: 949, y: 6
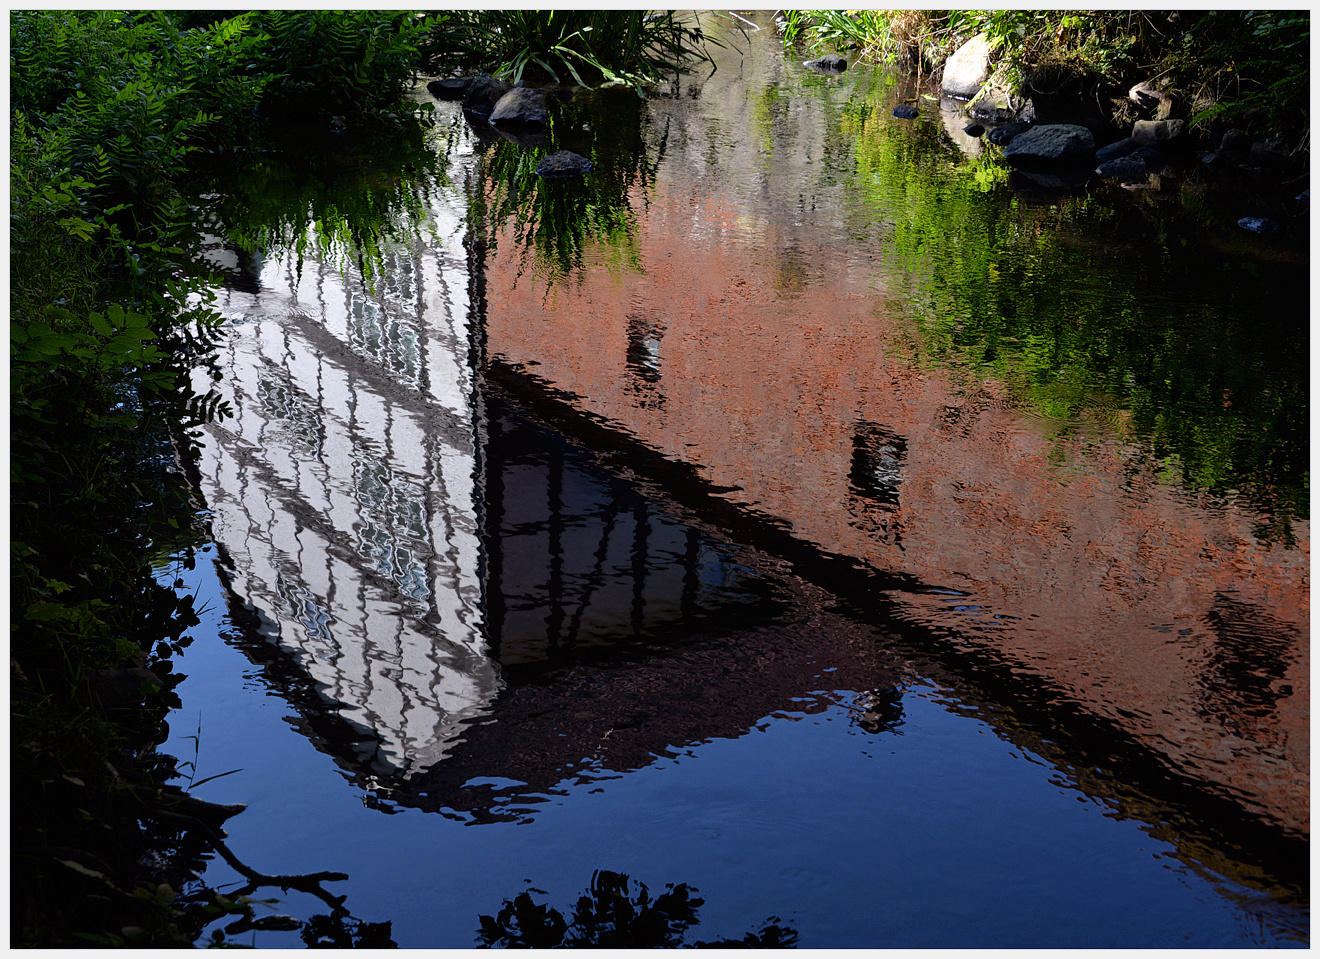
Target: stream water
x: 801, y: 529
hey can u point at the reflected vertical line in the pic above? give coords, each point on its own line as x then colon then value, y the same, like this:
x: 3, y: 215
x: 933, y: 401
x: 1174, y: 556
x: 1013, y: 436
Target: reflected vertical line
x: 596, y: 578
x: 555, y: 501
x: 487, y: 493
x: 691, y: 577
x: 493, y: 539
x: 641, y: 535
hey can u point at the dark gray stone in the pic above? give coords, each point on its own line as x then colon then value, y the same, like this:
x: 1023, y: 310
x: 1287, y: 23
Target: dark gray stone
x: 974, y: 130
x: 830, y: 63
x: 999, y: 107
x: 521, y: 106
x: 1259, y: 225
x: 1128, y: 167
x: 483, y: 93
x: 1115, y: 150
x: 1051, y: 142
x: 564, y: 163
x: 1235, y: 141
x: 1003, y: 136
x: 905, y: 112
x: 1270, y: 153
x: 450, y: 88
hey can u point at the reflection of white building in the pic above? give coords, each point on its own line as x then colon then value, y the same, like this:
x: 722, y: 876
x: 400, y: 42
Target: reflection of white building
x: 343, y: 487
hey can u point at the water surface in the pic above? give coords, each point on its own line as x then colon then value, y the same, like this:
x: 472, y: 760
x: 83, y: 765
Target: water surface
x: 799, y: 513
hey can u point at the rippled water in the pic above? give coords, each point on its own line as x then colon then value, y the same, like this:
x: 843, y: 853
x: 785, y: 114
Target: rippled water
x: 801, y: 513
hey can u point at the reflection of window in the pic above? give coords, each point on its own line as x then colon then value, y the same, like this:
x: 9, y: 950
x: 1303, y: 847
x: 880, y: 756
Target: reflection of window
x: 643, y: 361
x: 873, y: 481
x: 877, y: 464
x: 1244, y: 679
x: 644, y: 348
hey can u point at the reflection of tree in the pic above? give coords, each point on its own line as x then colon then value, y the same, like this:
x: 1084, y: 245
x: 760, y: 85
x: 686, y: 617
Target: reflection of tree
x: 1093, y: 318
x: 344, y: 932
x: 553, y: 220
x: 341, y: 205
x: 610, y: 915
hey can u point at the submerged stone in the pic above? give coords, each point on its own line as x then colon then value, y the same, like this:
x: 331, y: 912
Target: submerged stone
x: 564, y: 163
x: 830, y: 63
x: 905, y: 112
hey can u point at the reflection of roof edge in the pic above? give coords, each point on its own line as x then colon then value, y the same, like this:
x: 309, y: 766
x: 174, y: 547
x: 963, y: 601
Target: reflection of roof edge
x: 1126, y: 771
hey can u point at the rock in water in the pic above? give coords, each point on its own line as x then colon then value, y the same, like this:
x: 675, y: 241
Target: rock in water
x: 521, y: 106
x: 450, y: 88
x: 830, y: 63
x: 483, y: 93
x: 1003, y: 136
x: 905, y: 112
x: 564, y: 163
x: 1052, y: 141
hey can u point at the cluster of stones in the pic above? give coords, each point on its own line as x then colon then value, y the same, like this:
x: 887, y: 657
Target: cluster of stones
x: 1152, y: 147
x: 518, y: 114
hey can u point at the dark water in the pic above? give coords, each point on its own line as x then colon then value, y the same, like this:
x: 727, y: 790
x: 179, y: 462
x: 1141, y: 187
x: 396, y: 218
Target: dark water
x: 802, y: 529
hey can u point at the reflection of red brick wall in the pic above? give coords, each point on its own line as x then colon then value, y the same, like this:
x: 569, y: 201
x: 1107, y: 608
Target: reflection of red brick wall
x: 1113, y: 586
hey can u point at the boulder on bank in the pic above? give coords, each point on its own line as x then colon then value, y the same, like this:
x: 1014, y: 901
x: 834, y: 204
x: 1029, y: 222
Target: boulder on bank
x: 1156, y: 133
x: 521, y: 106
x: 1149, y: 98
x: 967, y: 70
x: 1051, y: 142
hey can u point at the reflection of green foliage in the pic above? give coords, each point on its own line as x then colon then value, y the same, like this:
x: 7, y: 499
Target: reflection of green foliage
x: 612, y: 915
x: 340, y: 208
x: 1082, y: 325
x: 1233, y: 61
x: 558, y: 220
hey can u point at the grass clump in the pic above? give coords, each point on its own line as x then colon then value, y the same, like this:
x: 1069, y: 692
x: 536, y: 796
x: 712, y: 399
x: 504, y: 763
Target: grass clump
x: 587, y: 47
